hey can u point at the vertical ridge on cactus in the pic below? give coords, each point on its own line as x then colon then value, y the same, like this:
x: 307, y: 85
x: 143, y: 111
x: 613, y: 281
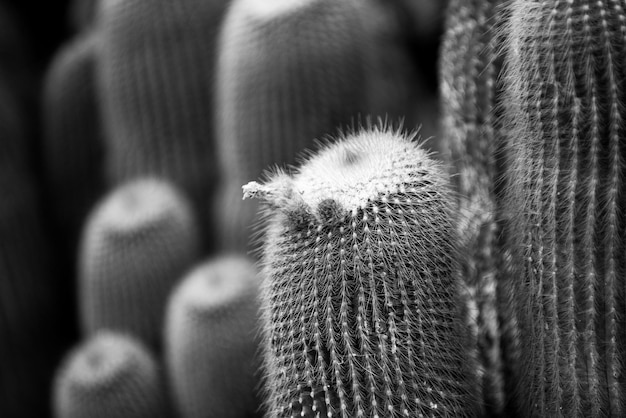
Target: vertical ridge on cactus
x: 138, y: 242
x: 109, y: 375
x: 72, y: 135
x: 211, y: 339
x: 469, y: 68
x: 361, y: 298
x: 565, y: 108
x: 155, y: 74
x: 289, y: 73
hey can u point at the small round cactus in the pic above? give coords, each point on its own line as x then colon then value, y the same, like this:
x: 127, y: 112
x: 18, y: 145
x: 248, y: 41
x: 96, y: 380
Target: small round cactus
x: 110, y: 375
x: 137, y: 244
x: 361, y: 303
x: 212, y: 339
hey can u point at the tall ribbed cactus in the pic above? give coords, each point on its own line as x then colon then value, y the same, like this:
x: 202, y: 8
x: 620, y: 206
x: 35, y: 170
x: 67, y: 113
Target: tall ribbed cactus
x: 109, y: 375
x: 566, y: 199
x: 156, y: 74
x: 469, y: 70
x: 293, y: 71
x: 211, y: 340
x: 361, y: 306
x: 138, y: 242
x: 73, y: 149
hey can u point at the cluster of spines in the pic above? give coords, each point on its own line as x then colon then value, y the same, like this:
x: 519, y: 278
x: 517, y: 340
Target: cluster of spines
x: 566, y: 196
x: 361, y: 305
x: 290, y: 73
x: 137, y: 244
x: 211, y: 339
x: 109, y: 375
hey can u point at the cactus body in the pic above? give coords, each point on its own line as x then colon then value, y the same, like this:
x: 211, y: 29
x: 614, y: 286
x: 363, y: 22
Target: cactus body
x: 110, y: 375
x: 566, y: 196
x: 361, y: 295
x: 290, y: 72
x: 155, y: 75
x: 73, y: 136
x: 137, y: 244
x: 469, y: 69
x: 211, y: 340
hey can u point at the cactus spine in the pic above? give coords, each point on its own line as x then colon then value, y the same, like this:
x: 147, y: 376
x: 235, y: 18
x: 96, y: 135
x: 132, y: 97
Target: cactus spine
x: 361, y: 295
x: 110, y: 375
x: 137, y: 244
x: 290, y: 72
x: 211, y: 339
x: 566, y: 194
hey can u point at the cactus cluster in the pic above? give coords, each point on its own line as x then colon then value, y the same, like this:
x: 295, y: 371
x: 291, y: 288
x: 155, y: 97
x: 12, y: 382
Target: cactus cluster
x: 361, y: 299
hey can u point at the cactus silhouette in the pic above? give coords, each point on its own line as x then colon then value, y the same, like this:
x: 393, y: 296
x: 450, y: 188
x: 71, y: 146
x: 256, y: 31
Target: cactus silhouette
x: 137, y: 244
x: 565, y: 197
x: 73, y: 149
x: 211, y: 339
x: 469, y: 70
x: 361, y: 299
x: 155, y: 74
x: 290, y: 72
x: 109, y: 375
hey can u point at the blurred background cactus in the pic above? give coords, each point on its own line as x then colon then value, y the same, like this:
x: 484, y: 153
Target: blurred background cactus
x: 127, y: 128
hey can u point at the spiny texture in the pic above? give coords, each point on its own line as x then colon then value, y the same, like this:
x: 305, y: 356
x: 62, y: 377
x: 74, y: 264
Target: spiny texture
x: 290, y: 72
x: 73, y: 150
x: 156, y: 74
x: 109, y: 376
x: 566, y: 195
x: 211, y: 340
x: 361, y: 306
x: 469, y: 67
x: 138, y: 242
x: 31, y: 308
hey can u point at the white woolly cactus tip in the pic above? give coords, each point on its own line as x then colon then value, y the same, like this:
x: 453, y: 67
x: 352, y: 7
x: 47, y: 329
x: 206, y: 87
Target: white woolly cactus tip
x: 269, y: 9
x: 218, y: 284
x: 353, y: 171
x: 139, y: 205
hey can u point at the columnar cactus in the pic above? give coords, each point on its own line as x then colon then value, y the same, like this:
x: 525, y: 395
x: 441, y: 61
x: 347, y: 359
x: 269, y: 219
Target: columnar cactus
x: 361, y: 307
x: 290, y: 72
x: 73, y: 149
x: 155, y: 75
x: 211, y: 340
x: 469, y: 69
x: 566, y: 198
x: 138, y: 242
x: 110, y: 375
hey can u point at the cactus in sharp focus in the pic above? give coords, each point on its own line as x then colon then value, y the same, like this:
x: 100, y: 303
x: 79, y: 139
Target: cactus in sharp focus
x: 211, y: 340
x: 290, y: 72
x: 137, y: 244
x: 110, y: 375
x: 566, y: 198
x: 361, y: 298
x: 73, y: 149
x: 155, y: 74
x: 470, y: 65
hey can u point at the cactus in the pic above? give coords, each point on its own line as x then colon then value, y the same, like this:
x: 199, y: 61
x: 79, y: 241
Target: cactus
x: 211, y: 339
x: 138, y: 242
x: 292, y: 71
x: 109, y: 375
x: 565, y: 196
x: 73, y: 148
x: 469, y: 69
x: 155, y: 74
x: 361, y: 298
